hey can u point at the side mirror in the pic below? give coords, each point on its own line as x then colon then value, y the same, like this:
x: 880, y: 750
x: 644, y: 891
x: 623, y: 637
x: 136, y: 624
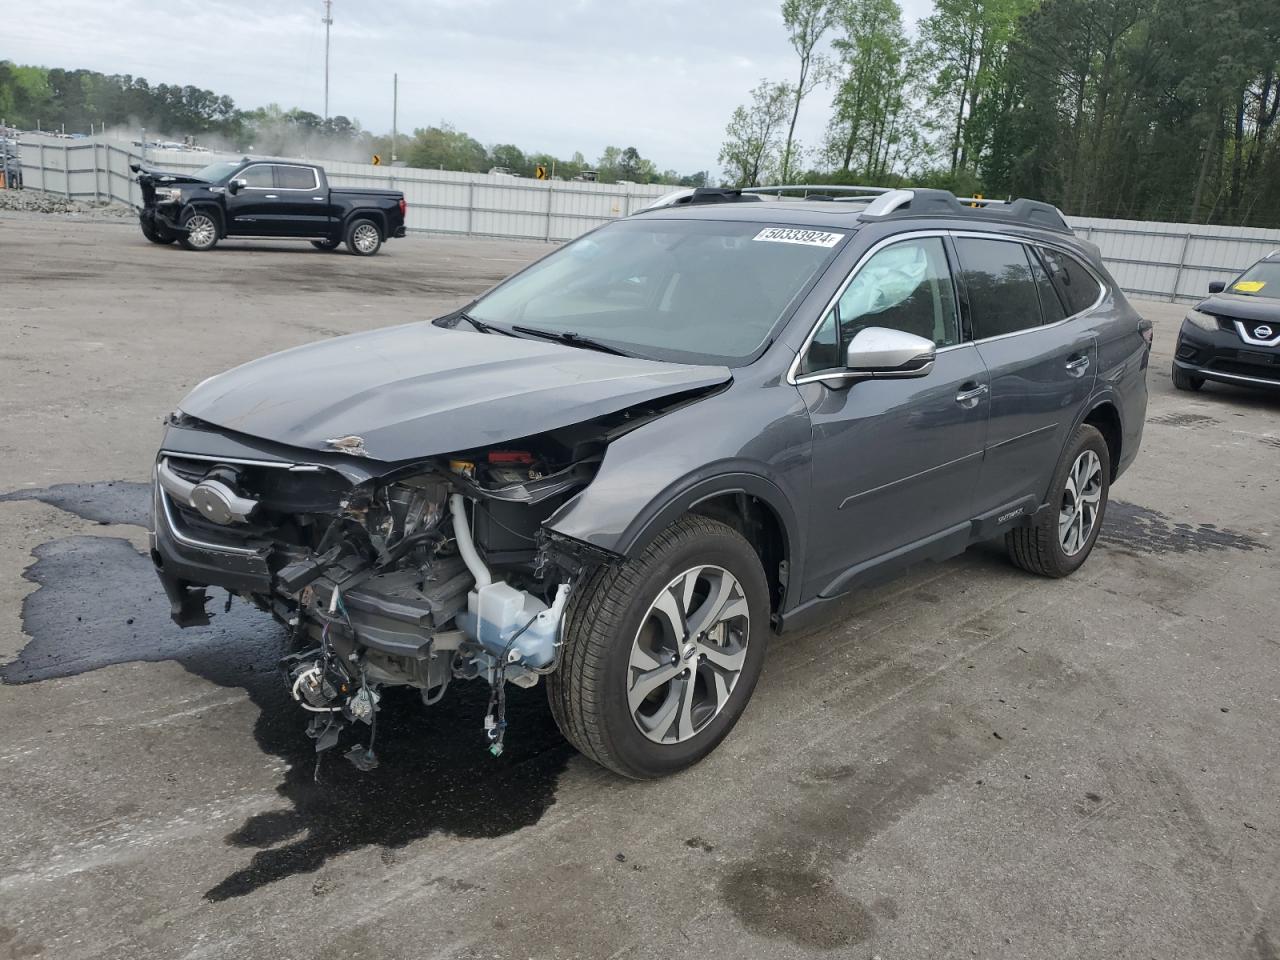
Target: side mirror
x: 236, y: 185
x: 883, y: 353
x: 1217, y: 286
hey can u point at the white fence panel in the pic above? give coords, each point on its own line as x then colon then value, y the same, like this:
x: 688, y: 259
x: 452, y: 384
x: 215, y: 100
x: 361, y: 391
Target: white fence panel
x: 1174, y: 261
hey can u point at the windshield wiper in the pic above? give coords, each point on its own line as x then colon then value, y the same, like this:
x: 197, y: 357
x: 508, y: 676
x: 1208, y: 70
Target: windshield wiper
x: 480, y: 325
x: 569, y: 338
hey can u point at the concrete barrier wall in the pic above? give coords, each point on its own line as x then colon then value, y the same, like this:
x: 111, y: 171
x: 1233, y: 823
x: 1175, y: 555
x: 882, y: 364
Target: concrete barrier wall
x: 1170, y: 261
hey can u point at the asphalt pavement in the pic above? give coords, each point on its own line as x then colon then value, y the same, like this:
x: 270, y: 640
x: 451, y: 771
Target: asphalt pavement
x: 968, y: 762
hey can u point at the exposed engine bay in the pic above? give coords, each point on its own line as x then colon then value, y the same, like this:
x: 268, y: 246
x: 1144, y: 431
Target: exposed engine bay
x: 412, y: 575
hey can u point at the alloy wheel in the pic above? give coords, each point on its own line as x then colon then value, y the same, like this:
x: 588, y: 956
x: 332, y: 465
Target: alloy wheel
x: 365, y: 237
x: 1080, y: 501
x: 688, y: 654
x: 201, y: 231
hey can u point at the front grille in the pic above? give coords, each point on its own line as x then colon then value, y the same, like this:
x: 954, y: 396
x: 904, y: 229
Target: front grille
x: 287, y: 496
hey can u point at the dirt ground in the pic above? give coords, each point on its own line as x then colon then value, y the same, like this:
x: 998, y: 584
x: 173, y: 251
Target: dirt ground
x: 968, y: 762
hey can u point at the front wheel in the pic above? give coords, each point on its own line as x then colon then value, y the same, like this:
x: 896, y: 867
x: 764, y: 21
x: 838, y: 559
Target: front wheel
x: 363, y: 238
x: 201, y: 231
x: 157, y: 233
x: 661, y: 653
x: 1186, y: 381
x: 1060, y: 539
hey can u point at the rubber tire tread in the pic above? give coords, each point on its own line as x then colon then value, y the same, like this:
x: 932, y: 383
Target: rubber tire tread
x: 593, y: 619
x: 1186, y: 381
x: 1035, y: 548
x: 351, y: 228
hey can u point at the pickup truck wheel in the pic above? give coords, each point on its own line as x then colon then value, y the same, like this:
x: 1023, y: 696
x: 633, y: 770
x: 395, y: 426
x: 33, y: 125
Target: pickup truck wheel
x: 661, y: 653
x: 201, y: 231
x: 363, y: 238
x: 157, y: 234
x: 325, y: 244
x: 1062, y: 538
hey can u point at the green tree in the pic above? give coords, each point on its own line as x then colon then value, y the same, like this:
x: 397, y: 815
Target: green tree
x: 752, y: 149
x: 807, y: 21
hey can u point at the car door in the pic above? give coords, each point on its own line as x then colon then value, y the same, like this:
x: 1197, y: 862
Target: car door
x: 249, y: 208
x: 1041, y: 365
x: 301, y: 206
x: 895, y: 461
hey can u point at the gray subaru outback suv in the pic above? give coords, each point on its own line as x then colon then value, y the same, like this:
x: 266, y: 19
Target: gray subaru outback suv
x: 626, y: 466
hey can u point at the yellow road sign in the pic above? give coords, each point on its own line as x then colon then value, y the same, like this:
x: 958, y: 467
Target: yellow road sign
x: 540, y: 172
x: 377, y: 160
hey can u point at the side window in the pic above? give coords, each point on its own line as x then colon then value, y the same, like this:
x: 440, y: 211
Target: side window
x: 1050, y: 304
x: 1076, y: 285
x: 258, y: 175
x: 906, y: 286
x: 1002, y: 295
x: 296, y: 178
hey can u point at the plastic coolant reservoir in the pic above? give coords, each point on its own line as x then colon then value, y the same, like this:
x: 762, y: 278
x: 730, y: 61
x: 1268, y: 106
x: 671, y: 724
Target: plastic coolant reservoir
x: 496, y: 612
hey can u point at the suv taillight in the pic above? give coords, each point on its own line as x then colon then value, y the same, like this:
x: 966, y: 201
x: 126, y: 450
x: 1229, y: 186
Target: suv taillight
x: 403, y: 206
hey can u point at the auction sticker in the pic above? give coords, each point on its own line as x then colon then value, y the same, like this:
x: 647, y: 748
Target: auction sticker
x: 1244, y: 286
x: 811, y: 238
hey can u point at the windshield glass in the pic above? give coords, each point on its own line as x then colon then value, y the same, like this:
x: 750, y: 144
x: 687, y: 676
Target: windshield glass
x: 1260, y: 280
x: 694, y: 291
x: 216, y: 171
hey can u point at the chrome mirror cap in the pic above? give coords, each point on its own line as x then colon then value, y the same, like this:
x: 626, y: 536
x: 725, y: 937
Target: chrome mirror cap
x: 881, y: 352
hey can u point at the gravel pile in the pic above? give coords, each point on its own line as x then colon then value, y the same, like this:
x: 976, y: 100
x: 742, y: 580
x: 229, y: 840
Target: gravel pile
x: 33, y: 201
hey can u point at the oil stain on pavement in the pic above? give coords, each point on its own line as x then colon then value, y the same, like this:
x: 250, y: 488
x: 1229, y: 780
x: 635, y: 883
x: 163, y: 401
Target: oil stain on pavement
x: 99, y: 603
x: 1150, y: 531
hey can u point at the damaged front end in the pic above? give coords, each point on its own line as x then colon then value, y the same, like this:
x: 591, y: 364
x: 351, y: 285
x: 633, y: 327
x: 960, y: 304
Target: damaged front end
x: 409, y: 574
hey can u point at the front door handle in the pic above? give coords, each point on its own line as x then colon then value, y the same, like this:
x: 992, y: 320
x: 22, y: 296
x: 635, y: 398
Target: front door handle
x: 270, y: 196
x: 970, y: 395
x: 1078, y: 366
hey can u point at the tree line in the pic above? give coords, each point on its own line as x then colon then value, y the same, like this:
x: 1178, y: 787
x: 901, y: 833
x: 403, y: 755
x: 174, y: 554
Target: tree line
x: 78, y: 101
x: 1140, y: 109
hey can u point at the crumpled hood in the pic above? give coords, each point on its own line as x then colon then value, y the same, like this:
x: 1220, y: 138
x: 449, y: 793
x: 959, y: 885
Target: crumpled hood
x: 1240, y: 307
x: 419, y: 390
x: 163, y: 176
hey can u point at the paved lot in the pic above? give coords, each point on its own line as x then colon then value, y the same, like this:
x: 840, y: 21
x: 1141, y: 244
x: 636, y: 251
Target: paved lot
x: 969, y: 762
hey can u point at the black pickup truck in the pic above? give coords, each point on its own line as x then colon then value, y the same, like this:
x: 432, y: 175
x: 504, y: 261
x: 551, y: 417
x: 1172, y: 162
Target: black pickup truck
x: 265, y: 198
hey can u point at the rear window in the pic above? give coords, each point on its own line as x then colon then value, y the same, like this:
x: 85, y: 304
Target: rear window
x: 295, y: 178
x: 1260, y: 280
x: 1075, y: 284
x: 1002, y: 294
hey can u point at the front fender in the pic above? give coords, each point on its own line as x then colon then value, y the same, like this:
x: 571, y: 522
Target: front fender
x: 749, y: 439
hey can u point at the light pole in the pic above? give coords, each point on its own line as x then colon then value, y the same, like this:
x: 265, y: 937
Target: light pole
x: 327, y: 20
x: 395, y: 109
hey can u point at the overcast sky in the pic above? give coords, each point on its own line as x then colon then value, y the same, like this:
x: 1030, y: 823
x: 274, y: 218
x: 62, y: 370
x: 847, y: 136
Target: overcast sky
x: 660, y: 75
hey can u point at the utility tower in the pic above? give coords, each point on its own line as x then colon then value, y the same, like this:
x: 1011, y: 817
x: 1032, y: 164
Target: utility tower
x: 327, y: 20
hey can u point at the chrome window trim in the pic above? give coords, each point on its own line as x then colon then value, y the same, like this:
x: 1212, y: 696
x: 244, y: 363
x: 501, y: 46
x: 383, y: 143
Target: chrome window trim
x: 314, y: 175
x: 795, y: 378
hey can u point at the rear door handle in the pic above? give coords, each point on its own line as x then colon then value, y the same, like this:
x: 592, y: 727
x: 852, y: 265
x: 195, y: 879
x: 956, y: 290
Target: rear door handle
x: 270, y: 196
x: 970, y: 396
x: 1078, y: 366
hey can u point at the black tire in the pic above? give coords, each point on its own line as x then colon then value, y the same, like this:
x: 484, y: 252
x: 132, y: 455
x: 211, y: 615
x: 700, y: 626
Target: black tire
x: 156, y: 233
x: 1039, y: 548
x: 200, y: 230
x: 326, y: 244
x: 589, y: 692
x: 1186, y: 381
x: 363, y: 237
